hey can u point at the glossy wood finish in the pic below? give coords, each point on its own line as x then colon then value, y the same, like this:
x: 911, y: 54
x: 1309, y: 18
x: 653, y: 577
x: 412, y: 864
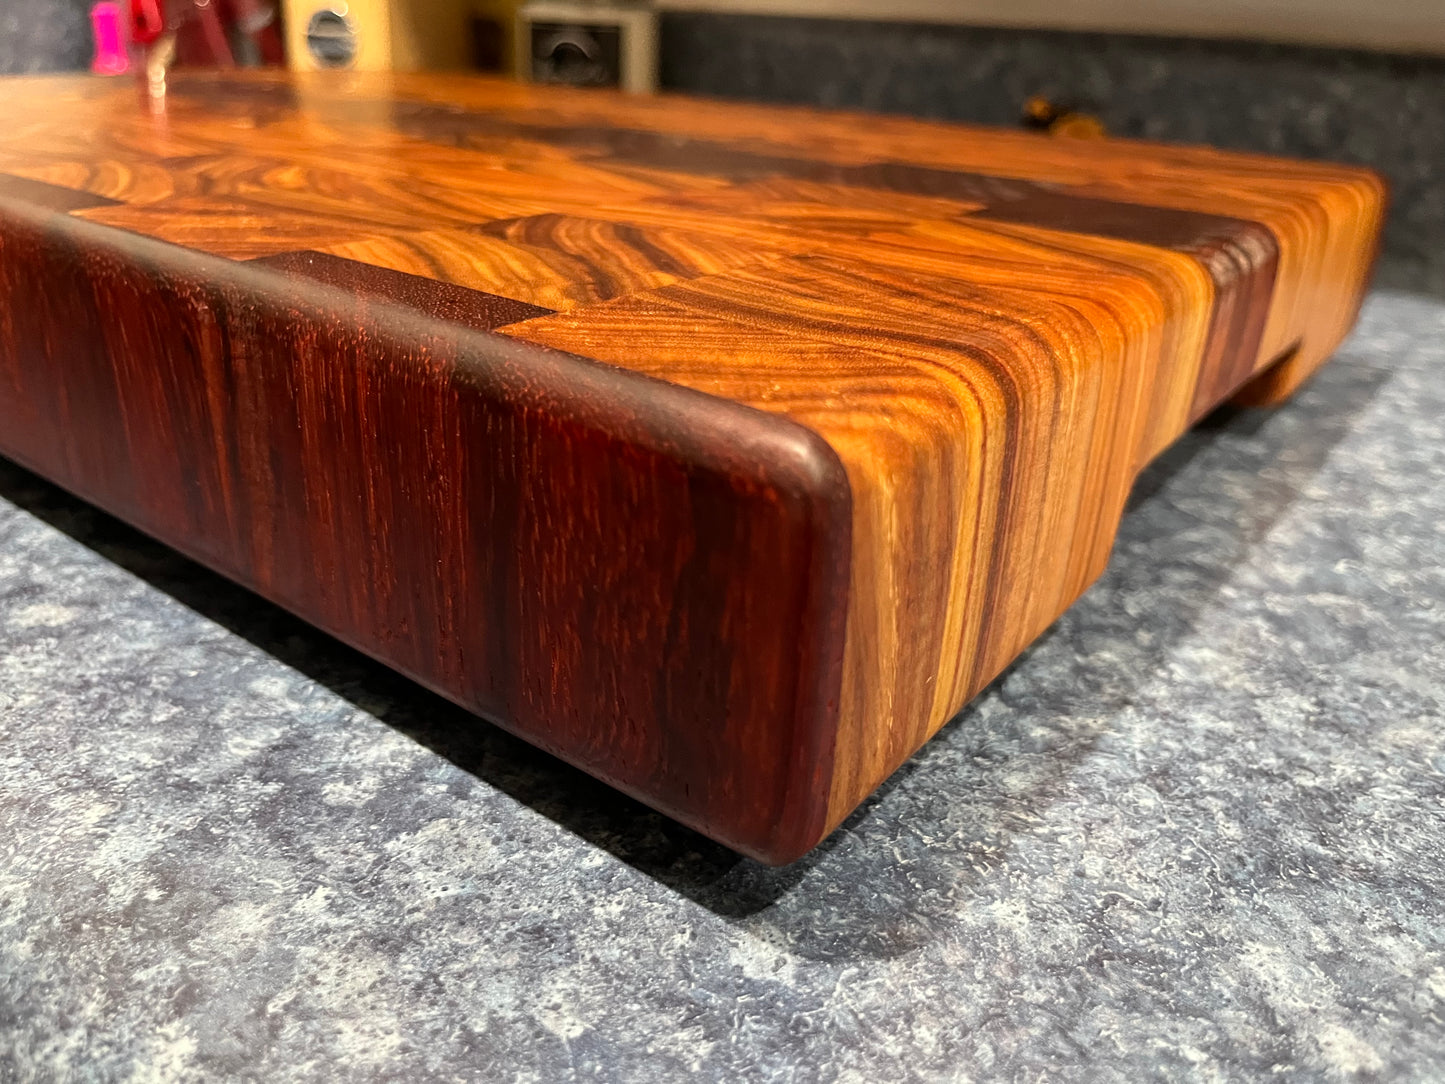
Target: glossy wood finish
x: 725, y: 451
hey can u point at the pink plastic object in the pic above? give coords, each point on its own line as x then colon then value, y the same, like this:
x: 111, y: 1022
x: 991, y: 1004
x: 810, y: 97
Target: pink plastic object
x: 110, y: 55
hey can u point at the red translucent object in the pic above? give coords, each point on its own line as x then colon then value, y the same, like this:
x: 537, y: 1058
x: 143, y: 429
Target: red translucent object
x: 147, y: 20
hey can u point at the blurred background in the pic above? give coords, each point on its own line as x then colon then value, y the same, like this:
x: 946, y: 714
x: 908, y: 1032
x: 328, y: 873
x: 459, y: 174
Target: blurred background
x: 1326, y: 79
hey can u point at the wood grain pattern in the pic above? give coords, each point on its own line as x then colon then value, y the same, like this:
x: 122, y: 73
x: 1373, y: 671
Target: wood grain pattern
x: 724, y: 451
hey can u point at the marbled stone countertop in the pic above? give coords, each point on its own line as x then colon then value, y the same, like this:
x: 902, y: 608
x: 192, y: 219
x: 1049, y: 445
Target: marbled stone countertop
x: 1197, y: 832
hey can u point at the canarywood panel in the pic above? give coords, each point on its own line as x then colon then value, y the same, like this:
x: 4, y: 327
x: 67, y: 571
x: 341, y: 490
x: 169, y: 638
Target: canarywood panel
x: 987, y: 481
x: 768, y: 436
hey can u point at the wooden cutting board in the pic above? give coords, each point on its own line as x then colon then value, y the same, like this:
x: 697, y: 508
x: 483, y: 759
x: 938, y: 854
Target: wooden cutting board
x: 724, y: 451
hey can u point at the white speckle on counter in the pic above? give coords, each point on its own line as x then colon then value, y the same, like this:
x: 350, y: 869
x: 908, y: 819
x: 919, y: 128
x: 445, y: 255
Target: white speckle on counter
x: 40, y: 615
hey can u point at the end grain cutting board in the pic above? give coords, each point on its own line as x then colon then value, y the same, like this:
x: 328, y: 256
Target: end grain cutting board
x: 724, y: 451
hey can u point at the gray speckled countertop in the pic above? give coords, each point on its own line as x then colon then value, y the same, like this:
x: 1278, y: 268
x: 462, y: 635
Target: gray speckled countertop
x: 1198, y: 831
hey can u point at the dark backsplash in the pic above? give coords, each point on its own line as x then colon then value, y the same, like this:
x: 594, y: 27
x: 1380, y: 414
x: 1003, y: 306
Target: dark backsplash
x: 1383, y: 111
x: 44, y: 35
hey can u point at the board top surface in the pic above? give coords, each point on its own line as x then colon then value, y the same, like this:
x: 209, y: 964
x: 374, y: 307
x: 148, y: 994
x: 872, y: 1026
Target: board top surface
x: 509, y: 200
x: 567, y: 200
x: 988, y: 331
x: 722, y: 246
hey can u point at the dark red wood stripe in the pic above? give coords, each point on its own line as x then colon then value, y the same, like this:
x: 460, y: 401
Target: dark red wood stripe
x: 444, y: 300
x: 52, y: 197
x: 1241, y: 257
